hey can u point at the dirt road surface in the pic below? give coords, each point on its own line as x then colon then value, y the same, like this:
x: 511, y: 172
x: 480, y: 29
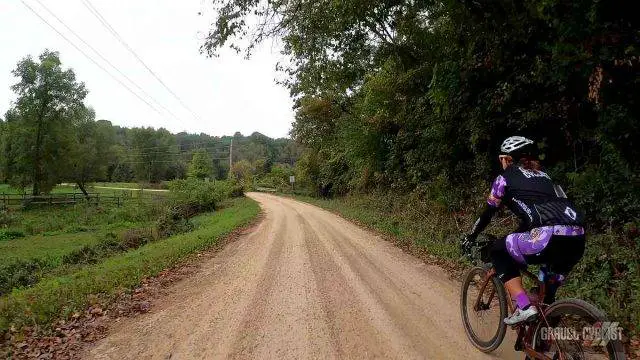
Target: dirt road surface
x: 306, y: 284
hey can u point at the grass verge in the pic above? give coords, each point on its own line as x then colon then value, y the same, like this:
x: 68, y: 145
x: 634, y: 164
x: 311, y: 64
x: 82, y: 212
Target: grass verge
x: 58, y: 297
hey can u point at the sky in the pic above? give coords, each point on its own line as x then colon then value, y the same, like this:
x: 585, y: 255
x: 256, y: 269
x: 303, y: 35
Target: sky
x: 227, y: 94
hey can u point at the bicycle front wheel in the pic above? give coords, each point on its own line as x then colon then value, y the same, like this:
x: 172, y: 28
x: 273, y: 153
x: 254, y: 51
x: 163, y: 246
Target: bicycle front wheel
x: 575, y: 329
x: 483, y: 305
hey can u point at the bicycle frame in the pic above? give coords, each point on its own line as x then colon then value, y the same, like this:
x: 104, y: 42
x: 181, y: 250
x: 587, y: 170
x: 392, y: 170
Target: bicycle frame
x: 525, y: 333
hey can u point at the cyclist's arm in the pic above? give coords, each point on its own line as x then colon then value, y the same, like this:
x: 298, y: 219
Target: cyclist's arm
x: 493, y: 205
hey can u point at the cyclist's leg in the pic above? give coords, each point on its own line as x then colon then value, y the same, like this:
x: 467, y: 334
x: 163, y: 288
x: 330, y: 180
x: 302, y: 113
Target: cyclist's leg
x: 508, y: 266
x: 562, y: 254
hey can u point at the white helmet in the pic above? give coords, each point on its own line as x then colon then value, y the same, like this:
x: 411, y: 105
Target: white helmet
x: 513, y: 143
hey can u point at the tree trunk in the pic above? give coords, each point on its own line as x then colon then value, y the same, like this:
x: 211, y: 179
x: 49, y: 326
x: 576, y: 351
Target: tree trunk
x: 37, y: 168
x: 81, y: 186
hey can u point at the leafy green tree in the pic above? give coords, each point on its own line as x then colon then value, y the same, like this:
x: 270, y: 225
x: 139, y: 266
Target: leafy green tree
x: 153, y: 151
x: 176, y: 170
x: 122, y: 172
x: 241, y: 171
x: 40, y: 134
x: 3, y: 140
x: 92, y: 150
x: 408, y: 93
x: 278, y: 177
x: 201, y: 165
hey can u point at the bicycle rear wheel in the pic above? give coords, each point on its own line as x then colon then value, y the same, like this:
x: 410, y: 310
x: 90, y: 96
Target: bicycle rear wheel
x: 577, y: 329
x: 483, y: 309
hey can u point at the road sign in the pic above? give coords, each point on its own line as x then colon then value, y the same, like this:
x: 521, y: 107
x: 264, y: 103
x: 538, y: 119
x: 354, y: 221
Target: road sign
x: 292, y: 179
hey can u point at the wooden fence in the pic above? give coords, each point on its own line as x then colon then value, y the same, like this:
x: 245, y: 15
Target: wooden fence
x: 7, y: 200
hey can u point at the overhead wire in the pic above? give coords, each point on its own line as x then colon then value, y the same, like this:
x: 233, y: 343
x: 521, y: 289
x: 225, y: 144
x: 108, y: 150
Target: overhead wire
x: 89, y: 57
x: 180, y: 145
x: 106, y: 60
x: 105, y: 23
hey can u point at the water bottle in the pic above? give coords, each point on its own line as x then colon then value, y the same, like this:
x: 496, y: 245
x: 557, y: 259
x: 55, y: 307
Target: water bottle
x: 542, y: 274
x: 542, y: 277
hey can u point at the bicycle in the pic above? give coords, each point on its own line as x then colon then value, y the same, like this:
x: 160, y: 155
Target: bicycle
x: 567, y: 329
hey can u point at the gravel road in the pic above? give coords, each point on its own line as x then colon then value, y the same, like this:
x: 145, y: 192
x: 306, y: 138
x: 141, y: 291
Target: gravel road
x: 305, y: 284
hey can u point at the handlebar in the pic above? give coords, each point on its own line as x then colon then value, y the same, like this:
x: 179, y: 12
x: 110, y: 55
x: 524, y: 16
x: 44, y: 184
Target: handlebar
x: 479, y: 250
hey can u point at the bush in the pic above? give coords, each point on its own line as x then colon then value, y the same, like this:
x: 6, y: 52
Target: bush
x: 134, y: 238
x: 10, y: 234
x: 190, y: 197
x: 174, y: 220
x: 109, y: 245
x: 235, y: 190
x: 200, y: 196
x: 6, y: 218
x: 609, y: 276
x: 20, y: 274
x: 85, y: 255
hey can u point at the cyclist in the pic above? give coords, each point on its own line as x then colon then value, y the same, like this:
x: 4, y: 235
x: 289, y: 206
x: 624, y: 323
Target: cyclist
x: 551, y: 229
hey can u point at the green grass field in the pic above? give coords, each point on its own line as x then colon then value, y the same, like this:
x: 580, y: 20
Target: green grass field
x: 6, y: 189
x: 59, y: 296
x: 48, y: 248
x: 34, y: 243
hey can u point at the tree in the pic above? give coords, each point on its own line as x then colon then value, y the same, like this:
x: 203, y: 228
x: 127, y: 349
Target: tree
x: 201, y: 165
x: 241, y: 171
x: 408, y: 94
x: 3, y: 160
x: 153, y: 151
x: 41, y: 122
x: 122, y: 172
x: 92, y: 151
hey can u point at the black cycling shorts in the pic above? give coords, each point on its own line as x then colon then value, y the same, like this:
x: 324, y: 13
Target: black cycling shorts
x: 561, y: 254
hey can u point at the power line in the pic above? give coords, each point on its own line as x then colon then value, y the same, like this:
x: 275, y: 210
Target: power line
x: 197, y: 145
x: 157, y: 162
x: 90, y: 58
x: 105, y: 23
x: 106, y: 60
x: 172, y: 153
